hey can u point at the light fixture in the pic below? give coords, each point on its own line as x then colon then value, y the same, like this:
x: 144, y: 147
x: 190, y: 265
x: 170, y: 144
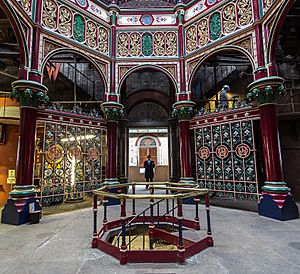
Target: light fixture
x: 78, y: 138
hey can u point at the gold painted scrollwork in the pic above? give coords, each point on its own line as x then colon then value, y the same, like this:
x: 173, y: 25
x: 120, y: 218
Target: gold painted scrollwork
x: 103, y: 40
x: 135, y: 44
x: 65, y: 21
x: 229, y: 24
x: 268, y: 3
x: 191, y: 39
x: 26, y: 5
x: 159, y: 44
x: 171, y: 43
x: 123, y: 42
x: 203, y: 33
x: 50, y: 14
x: 91, y: 34
x: 244, y: 12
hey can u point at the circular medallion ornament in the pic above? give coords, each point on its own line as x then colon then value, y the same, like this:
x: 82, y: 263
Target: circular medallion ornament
x: 54, y: 153
x: 82, y: 3
x: 222, y: 151
x: 147, y: 19
x: 211, y: 2
x: 74, y: 152
x: 242, y: 150
x: 93, y: 154
x: 203, y: 152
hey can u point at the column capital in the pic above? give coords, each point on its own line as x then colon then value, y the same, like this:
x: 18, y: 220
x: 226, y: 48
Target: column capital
x: 112, y: 110
x: 29, y: 93
x: 184, y: 110
x: 265, y: 89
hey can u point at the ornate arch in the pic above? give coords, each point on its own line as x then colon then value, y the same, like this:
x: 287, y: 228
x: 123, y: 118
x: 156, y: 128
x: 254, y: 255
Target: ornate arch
x: 215, y: 52
x: 274, y: 33
x: 147, y: 136
x: 87, y: 57
x: 17, y: 28
x: 155, y: 67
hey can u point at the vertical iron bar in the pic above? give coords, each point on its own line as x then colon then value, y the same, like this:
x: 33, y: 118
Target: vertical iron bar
x: 105, y: 210
x: 95, y: 209
x: 173, y: 205
x: 167, y: 202
x: 133, y: 200
x: 210, y: 241
x: 143, y: 230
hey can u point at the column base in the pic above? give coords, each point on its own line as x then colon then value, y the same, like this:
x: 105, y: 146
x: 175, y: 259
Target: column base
x: 187, y: 182
x: 14, y: 214
x: 281, y: 209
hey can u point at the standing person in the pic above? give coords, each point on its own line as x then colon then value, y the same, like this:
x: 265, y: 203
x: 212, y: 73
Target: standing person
x: 149, y: 170
x: 224, y: 97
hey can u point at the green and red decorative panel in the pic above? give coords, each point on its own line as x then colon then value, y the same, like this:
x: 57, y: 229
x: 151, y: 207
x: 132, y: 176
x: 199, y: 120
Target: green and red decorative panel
x: 226, y: 160
x: 71, y: 161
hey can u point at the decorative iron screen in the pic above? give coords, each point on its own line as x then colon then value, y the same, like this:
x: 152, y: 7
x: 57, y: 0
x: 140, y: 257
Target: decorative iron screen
x: 226, y: 157
x: 70, y: 161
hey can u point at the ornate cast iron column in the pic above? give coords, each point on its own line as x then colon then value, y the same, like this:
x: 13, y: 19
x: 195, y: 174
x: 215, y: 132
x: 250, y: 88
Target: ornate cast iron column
x: 174, y: 165
x: 113, y: 111
x: 30, y: 95
x: 277, y: 201
x: 123, y: 151
x: 184, y: 110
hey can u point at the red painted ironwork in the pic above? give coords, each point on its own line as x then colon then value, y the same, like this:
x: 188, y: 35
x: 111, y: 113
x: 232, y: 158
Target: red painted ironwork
x: 25, y: 160
x: 185, y: 149
x: 111, y: 156
x: 270, y: 142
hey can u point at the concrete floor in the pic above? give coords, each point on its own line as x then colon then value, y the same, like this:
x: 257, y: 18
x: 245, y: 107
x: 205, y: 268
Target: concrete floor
x: 244, y: 243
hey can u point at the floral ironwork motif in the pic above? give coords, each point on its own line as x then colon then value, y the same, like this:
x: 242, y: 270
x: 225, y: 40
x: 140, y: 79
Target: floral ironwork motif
x: 103, y: 40
x: 215, y: 29
x: 26, y: 5
x: 138, y: 44
x: 49, y: 47
x: 246, y: 44
x: 30, y: 98
x: 91, y: 34
x: 72, y: 166
x: 159, y: 43
x: 203, y: 32
x: 244, y: 12
x: 229, y: 18
x: 65, y: 21
x: 191, y: 37
x: 171, y: 44
x: 50, y: 14
x: 147, y: 44
x: 226, y: 159
x: 135, y: 44
x: 79, y: 28
x: 123, y: 43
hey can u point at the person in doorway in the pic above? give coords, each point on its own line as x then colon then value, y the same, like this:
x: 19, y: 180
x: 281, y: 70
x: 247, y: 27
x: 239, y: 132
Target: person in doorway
x: 224, y: 97
x: 149, y: 170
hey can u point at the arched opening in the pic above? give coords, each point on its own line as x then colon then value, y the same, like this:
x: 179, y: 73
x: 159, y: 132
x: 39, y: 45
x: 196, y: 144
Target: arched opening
x: 287, y: 59
x: 73, y: 80
x: 10, y: 62
x: 147, y: 94
x: 230, y: 69
x: 218, y: 163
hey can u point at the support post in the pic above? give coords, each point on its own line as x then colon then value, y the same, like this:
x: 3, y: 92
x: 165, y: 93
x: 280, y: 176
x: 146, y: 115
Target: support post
x: 210, y: 241
x: 113, y: 111
x: 180, y: 247
x: 30, y: 95
x: 276, y: 201
x: 95, y: 211
x: 123, y: 250
x: 185, y: 110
